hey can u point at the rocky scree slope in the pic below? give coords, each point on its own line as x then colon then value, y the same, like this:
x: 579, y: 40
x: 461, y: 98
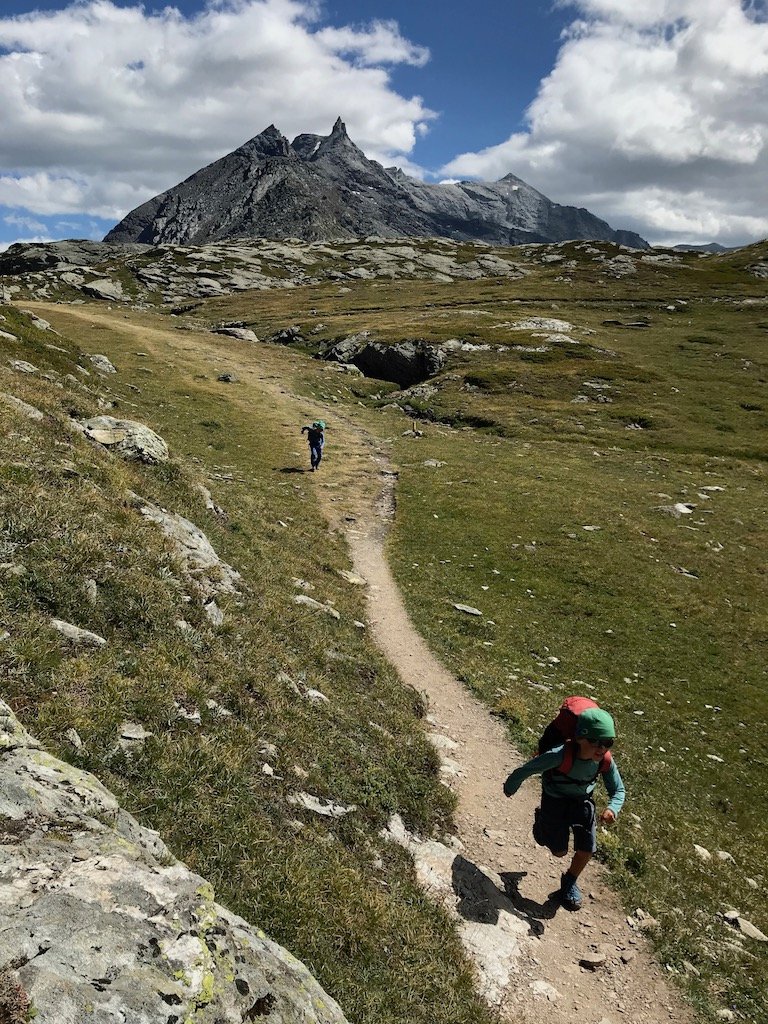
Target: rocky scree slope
x: 323, y: 187
x: 169, y: 275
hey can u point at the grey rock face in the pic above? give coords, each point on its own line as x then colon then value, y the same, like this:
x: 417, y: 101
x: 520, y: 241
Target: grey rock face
x: 406, y: 363
x: 104, y: 288
x: 103, y: 924
x: 324, y: 187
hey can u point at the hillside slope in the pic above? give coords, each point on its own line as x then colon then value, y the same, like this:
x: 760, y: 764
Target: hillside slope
x: 262, y: 735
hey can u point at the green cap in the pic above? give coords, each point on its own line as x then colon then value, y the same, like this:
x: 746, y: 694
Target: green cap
x: 596, y: 724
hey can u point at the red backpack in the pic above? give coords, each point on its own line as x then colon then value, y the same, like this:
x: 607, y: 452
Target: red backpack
x: 562, y: 730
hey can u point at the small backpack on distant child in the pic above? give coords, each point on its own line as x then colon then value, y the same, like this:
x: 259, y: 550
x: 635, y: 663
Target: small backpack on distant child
x: 563, y: 730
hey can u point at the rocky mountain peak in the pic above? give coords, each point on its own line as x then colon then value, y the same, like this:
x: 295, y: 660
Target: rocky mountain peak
x: 324, y: 186
x: 270, y: 142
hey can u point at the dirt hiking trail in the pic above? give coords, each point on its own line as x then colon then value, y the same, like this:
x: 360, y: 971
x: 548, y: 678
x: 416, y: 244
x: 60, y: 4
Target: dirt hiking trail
x: 356, y: 488
x: 547, y: 983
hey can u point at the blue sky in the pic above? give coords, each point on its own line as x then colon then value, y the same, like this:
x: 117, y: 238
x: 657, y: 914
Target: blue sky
x: 652, y: 114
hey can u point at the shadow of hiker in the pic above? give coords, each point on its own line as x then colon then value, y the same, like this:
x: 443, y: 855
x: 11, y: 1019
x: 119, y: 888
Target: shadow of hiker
x: 536, y: 913
x: 482, y: 901
x: 291, y: 469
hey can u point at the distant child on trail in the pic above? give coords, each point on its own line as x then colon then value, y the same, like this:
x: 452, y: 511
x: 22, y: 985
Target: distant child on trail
x: 569, y: 774
x: 316, y: 438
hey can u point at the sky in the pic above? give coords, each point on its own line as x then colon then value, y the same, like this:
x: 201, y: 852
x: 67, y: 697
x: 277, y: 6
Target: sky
x: 651, y: 114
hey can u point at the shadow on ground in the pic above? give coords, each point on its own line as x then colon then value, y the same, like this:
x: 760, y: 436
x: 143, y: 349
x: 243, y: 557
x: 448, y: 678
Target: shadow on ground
x: 481, y: 900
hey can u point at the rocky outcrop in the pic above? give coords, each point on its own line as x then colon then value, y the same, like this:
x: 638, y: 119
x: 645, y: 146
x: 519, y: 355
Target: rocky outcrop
x: 323, y: 187
x: 406, y: 363
x: 101, y: 923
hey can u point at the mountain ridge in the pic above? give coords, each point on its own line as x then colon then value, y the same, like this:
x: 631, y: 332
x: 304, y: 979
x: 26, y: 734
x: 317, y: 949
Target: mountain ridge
x: 320, y: 187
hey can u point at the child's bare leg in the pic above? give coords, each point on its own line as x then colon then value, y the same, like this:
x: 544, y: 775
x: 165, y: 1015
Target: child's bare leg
x: 580, y: 860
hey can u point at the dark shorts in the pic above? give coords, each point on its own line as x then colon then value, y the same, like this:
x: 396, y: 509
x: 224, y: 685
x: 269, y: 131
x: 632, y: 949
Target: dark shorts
x: 558, y: 816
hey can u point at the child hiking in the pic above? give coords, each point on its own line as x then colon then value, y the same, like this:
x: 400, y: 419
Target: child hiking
x: 573, y: 753
x: 316, y: 438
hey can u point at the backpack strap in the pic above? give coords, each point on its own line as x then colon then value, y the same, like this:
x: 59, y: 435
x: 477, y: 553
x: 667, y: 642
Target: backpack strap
x: 606, y: 762
x: 566, y: 764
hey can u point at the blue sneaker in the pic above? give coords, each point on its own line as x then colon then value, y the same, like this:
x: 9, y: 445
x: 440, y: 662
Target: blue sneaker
x: 570, y: 893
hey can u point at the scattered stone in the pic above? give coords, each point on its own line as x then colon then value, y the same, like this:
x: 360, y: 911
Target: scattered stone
x: 187, y: 714
x: 726, y: 1014
x: 214, y: 613
x: 316, y: 606
x: 491, y: 929
x: 22, y: 366
x: 103, y: 288
x: 318, y: 805
x: 353, y: 578
x: 745, y: 927
x: 73, y: 738
x: 702, y: 853
x: 8, y: 336
x: 77, y: 635
x: 217, y: 709
x: 593, y: 960
x: 91, y: 591
x: 681, y: 508
x: 726, y: 857
x: 227, y: 378
x: 199, y: 560
x: 442, y: 742
x: 132, y: 735
x: 102, y: 364
x: 543, y: 990
x: 467, y: 609
x: 433, y: 463
x: 241, y: 333
x: 316, y: 697
x: 641, y: 919
x: 542, y: 323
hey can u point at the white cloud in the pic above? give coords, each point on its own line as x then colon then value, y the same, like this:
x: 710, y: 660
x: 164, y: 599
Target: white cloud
x: 105, y: 106
x: 655, y: 117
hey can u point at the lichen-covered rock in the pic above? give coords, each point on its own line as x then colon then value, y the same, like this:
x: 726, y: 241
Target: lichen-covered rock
x: 127, y: 438
x: 102, y: 363
x: 103, y: 925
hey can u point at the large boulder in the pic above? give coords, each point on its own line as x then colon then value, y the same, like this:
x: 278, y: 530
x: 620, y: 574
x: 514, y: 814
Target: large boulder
x: 101, y: 923
x: 127, y: 438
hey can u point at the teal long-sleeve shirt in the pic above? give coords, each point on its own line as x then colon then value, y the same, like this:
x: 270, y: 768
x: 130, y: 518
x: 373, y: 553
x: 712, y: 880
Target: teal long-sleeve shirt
x: 583, y: 778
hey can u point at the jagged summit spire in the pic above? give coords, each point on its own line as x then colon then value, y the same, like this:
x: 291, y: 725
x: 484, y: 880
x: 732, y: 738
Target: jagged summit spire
x: 339, y: 128
x: 270, y: 142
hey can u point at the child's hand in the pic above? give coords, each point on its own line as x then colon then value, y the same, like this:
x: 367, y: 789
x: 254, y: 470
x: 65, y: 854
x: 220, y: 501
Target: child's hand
x: 607, y: 817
